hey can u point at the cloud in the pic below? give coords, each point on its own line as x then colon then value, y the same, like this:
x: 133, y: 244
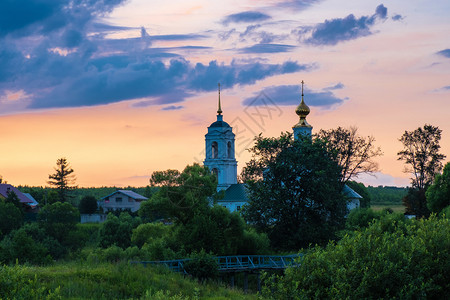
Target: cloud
x: 297, y: 4
x: 291, y: 95
x: 267, y: 48
x: 337, y: 86
x: 246, y: 17
x: 173, y: 107
x: 445, y: 53
x: 205, y: 77
x: 397, y: 17
x: 338, y: 30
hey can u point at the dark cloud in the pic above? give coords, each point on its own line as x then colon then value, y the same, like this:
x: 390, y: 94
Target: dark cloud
x: 26, y: 17
x: 291, y: 95
x: 267, y: 48
x: 445, y: 53
x: 205, y: 77
x: 297, y: 4
x: 397, y: 17
x: 337, y: 30
x: 172, y: 107
x: 246, y: 17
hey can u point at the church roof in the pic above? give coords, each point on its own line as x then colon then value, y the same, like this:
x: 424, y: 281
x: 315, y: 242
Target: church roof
x: 219, y: 124
x: 235, y: 193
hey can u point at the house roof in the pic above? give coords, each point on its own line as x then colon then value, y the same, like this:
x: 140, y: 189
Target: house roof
x: 7, y: 188
x: 33, y: 202
x: 235, y: 193
x: 350, y: 193
x: 128, y: 193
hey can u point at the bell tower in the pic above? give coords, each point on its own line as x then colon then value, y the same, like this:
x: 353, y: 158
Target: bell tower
x: 302, y: 127
x: 220, y: 151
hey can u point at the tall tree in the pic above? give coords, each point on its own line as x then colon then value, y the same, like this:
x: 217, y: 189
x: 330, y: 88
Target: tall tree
x: 438, y: 194
x: 295, y: 191
x: 355, y: 153
x: 423, y: 160
x: 63, y: 179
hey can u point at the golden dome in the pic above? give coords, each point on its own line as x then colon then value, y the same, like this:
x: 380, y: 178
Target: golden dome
x: 302, y: 111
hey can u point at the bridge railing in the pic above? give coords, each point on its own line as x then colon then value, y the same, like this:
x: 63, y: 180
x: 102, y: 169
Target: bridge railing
x: 235, y: 263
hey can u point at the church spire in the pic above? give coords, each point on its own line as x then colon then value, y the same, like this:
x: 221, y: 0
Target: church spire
x: 302, y: 111
x: 219, y: 110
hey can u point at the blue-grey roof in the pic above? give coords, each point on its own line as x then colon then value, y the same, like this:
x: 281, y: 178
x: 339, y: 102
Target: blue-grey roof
x: 219, y: 124
x: 235, y: 193
x: 128, y: 193
x: 350, y: 193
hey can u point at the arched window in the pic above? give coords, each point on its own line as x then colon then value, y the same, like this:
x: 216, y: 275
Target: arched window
x: 229, y: 150
x: 215, y: 172
x: 215, y: 150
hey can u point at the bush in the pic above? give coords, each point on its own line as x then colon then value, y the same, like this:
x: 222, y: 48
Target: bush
x: 58, y: 219
x: 202, y: 265
x: 390, y: 259
x: 148, y: 232
x: 11, y: 218
x: 117, y: 230
x: 88, y: 205
x: 14, y: 284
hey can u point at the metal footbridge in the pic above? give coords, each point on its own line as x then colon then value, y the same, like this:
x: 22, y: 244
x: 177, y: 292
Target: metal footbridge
x: 237, y: 263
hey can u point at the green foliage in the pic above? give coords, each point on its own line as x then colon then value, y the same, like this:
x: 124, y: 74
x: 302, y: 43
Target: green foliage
x: 361, y: 189
x: 202, y: 265
x: 87, y: 280
x: 415, y: 203
x: 11, y: 218
x: 20, y: 246
x: 148, y: 232
x: 58, y: 220
x: 360, y: 218
x: 180, y: 195
x: 117, y: 230
x: 295, y: 191
x: 14, y: 284
x: 386, y: 195
x: 392, y: 259
x: 63, y: 179
x: 438, y: 194
x: 88, y: 205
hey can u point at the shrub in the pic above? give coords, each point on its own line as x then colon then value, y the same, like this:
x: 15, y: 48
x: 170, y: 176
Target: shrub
x: 390, y: 259
x: 147, y: 232
x: 88, y: 205
x: 202, y: 265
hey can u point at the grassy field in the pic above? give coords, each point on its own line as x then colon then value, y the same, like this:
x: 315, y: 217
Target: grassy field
x: 398, y: 208
x: 108, y: 281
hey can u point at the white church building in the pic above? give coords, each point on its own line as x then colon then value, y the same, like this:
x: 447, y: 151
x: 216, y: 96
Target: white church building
x: 220, y: 159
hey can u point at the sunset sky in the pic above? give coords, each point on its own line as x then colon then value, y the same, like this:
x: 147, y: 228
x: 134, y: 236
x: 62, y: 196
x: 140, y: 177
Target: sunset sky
x: 125, y: 88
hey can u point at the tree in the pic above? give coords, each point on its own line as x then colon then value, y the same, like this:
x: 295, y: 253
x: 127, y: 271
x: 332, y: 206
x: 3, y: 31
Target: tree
x: 88, y: 205
x: 63, y: 179
x: 421, y: 155
x: 180, y: 195
x: 117, y: 230
x: 438, y: 194
x: 58, y: 220
x: 11, y: 218
x: 423, y: 160
x: 294, y: 190
x: 355, y: 154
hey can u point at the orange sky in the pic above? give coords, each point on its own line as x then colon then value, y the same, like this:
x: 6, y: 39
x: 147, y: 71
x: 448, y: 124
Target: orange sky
x: 394, y: 79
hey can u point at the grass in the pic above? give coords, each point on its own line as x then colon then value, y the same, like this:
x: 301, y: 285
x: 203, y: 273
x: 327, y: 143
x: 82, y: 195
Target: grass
x: 80, y: 280
x: 397, y: 208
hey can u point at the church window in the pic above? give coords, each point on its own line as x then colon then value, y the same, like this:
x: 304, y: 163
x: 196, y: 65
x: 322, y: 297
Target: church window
x: 215, y: 150
x: 215, y: 172
x: 238, y: 208
x: 229, y: 150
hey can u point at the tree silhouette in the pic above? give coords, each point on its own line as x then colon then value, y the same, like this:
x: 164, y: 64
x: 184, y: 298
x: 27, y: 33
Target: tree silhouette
x: 423, y: 160
x: 63, y: 179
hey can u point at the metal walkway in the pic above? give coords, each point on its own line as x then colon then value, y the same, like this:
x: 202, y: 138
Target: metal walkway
x: 238, y: 263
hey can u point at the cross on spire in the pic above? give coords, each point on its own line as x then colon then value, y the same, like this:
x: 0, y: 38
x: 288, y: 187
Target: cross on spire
x: 219, y: 110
